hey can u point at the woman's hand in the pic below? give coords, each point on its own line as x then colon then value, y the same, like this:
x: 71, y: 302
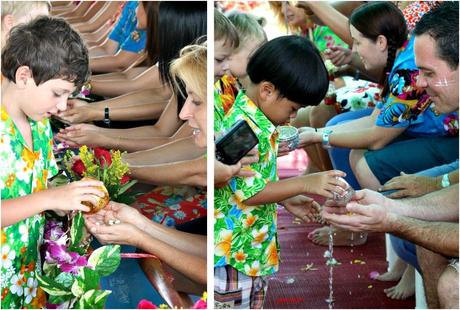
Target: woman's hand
x: 80, y: 112
x: 325, y: 183
x: 69, y: 197
x: 408, y: 185
x: 82, y: 134
x: 121, y: 233
x: 339, y: 56
x: 303, y: 207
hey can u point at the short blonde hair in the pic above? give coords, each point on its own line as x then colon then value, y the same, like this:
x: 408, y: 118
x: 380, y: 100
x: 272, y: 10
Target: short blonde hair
x: 190, y: 68
x: 21, y: 8
x: 224, y: 30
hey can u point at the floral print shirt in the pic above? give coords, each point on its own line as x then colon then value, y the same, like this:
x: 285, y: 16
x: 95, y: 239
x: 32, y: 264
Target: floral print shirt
x: 246, y: 236
x: 22, y: 172
x: 410, y: 106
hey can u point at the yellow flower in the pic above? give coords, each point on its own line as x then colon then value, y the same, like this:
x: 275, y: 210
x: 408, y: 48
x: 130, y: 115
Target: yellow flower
x: 205, y: 296
x: 218, y: 213
x: 223, y: 247
x: 235, y: 199
x: 253, y: 270
x: 4, y: 115
x: 9, y: 182
x: 272, y: 254
x: 250, y: 220
x: 29, y: 157
x: 259, y: 236
x: 240, y: 256
x: 3, y: 237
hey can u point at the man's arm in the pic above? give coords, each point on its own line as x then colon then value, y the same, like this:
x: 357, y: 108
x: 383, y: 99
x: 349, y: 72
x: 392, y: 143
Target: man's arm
x: 440, y: 237
x: 440, y: 205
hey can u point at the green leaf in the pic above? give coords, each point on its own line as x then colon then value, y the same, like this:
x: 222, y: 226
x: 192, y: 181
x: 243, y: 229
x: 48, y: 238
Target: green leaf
x: 59, y: 299
x: 126, y: 186
x: 76, y: 232
x: 105, y: 260
x: 77, y: 289
x: 65, y: 278
x: 52, y: 287
x: 93, y: 299
x: 88, y: 279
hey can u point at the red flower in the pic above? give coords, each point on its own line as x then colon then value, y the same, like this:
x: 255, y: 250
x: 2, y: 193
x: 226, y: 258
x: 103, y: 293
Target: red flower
x: 200, y: 304
x: 78, y: 167
x: 124, y: 179
x: 102, y: 156
x: 146, y: 304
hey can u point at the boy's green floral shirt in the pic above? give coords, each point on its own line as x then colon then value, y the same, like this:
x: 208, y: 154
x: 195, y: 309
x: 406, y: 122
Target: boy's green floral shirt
x: 245, y: 237
x: 22, y: 172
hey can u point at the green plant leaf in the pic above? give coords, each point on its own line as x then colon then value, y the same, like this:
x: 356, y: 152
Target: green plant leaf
x: 76, y: 232
x: 88, y: 279
x: 59, y: 299
x: 126, y: 186
x: 52, y: 287
x: 65, y: 278
x: 93, y: 299
x: 105, y: 260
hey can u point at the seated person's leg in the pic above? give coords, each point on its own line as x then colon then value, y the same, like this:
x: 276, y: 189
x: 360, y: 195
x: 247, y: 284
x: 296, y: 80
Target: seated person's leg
x: 432, y: 266
x: 448, y: 286
x: 339, y: 156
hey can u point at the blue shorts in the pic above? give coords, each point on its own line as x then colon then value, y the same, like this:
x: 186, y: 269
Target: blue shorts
x: 411, y: 156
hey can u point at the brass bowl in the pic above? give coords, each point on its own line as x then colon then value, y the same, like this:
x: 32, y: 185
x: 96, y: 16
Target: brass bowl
x: 101, y: 201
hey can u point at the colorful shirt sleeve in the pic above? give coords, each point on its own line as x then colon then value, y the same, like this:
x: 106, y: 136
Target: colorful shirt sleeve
x: 135, y: 42
x: 405, y: 101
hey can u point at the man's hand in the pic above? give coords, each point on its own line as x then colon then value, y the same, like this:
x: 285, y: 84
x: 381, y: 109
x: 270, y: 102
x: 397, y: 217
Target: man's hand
x: 361, y: 218
x: 408, y: 185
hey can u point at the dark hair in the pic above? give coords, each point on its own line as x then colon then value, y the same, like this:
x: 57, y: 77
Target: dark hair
x: 180, y: 23
x: 50, y: 48
x: 294, y: 66
x: 381, y: 18
x: 442, y: 25
x: 151, y: 10
x: 224, y: 30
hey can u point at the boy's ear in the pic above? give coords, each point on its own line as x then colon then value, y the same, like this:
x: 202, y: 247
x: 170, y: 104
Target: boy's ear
x: 23, y: 74
x: 7, y: 22
x: 267, y: 91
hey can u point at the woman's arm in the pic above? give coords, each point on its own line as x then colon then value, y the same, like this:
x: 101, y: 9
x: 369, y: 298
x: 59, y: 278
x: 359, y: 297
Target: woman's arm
x: 150, y: 78
x: 112, y: 63
x: 86, y: 17
x: 189, y: 172
x: 178, y: 150
x: 99, y: 19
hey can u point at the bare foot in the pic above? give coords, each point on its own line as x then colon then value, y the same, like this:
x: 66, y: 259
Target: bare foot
x: 395, y: 272
x: 320, y: 236
x: 406, y: 286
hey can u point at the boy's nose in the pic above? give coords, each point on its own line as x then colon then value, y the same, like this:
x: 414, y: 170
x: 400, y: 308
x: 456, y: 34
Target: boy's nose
x: 62, y: 105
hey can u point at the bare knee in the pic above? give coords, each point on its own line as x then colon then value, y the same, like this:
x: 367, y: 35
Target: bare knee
x: 362, y: 171
x: 448, y: 288
x: 320, y: 114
